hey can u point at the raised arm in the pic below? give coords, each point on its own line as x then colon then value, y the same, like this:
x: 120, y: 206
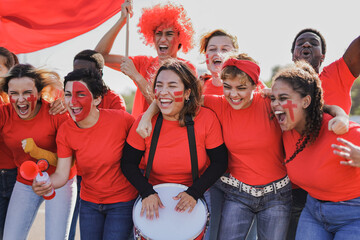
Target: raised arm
x: 352, y: 57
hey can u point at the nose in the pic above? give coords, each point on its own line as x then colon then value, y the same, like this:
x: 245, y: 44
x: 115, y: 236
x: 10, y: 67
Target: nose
x: 21, y: 98
x: 163, y: 37
x: 233, y: 93
x: 306, y: 44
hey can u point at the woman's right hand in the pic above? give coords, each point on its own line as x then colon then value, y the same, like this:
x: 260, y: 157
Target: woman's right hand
x: 41, y: 188
x: 151, y: 205
x: 127, y: 7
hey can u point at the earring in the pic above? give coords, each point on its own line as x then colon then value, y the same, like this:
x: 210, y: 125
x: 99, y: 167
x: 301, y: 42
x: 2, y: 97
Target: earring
x: 187, y: 100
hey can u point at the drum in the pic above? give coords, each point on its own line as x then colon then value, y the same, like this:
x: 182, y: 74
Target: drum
x: 171, y: 224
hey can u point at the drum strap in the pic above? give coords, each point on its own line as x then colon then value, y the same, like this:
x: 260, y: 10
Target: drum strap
x: 192, y: 146
x: 154, y: 141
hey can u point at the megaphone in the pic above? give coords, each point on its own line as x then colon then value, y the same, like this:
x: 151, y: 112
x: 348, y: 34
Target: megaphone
x: 31, y: 170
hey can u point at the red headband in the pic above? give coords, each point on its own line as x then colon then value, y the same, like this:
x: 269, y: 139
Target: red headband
x: 250, y: 68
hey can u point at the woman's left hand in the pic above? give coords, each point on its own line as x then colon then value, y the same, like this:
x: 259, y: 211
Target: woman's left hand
x: 57, y: 107
x: 339, y: 125
x: 349, y: 151
x: 186, y: 201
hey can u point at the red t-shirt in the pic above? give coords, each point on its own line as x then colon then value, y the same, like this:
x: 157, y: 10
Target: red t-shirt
x: 172, y: 162
x: 336, y: 81
x: 42, y: 128
x: 98, y: 151
x: 253, y: 140
x: 6, y: 158
x: 147, y: 67
x: 318, y: 171
x: 111, y: 100
x: 211, y: 89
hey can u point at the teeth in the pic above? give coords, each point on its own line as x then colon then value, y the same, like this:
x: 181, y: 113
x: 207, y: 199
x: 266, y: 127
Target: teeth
x: 279, y: 112
x: 165, y: 100
x: 163, y: 46
x: 236, y: 100
x: 21, y: 106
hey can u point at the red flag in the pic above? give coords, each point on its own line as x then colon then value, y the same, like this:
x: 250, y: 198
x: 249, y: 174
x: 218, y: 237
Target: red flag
x: 31, y: 25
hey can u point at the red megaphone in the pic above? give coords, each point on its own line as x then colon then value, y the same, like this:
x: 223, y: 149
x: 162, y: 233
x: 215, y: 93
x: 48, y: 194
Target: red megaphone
x: 29, y: 169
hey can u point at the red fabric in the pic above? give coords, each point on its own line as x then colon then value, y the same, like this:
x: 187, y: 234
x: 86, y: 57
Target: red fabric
x: 42, y: 128
x: 28, y: 26
x: 253, y: 140
x: 336, y: 81
x: 211, y: 89
x: 172, y: 163
x: 6, y: 158
x: 98, y: 151
x: 147, y: 67
x: 318, y: 171
x: 112, y: 101
x: 248, y: 67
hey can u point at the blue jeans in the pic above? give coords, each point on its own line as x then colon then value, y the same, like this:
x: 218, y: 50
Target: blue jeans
x: 106, y: 221
x: 76, y: 210
x: 23, y: 207
x: 272, y: 212
x: 329, y: 220
x: 299, y: 199
x: 8, y: 179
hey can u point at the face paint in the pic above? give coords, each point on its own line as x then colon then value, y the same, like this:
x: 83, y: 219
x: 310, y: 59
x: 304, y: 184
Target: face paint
x: 32, y: 100
x: 179, y: 96
x: 207, y: 59
x: 11, y: 99
x: 156, y: 95
x: 81, y: 101
x: 290, y: 106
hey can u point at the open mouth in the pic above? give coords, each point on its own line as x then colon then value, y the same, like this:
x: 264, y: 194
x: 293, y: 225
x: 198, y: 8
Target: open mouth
x: 217, y: 63
x: 76, y: 110
x: 23, y: 109
x: 165, y: 102
x: 306, y: 52
x: 163, y: 48
x: 236, y: 101
x: 280, y: 115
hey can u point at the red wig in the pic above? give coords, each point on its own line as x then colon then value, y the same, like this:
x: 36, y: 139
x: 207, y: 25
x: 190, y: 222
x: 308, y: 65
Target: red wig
x: 165, y: 16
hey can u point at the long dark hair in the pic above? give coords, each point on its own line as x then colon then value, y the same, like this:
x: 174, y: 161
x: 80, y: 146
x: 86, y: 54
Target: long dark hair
x: 304, y: 80
x: 190, y: 82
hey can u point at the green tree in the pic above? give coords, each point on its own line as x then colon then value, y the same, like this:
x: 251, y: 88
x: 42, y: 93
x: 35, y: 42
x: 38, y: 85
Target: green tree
x: 129, y: 100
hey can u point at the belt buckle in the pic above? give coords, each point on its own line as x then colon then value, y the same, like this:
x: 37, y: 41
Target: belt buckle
x: 257, y: 192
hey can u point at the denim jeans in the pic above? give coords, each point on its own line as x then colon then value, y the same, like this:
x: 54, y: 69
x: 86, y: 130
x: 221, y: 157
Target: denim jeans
x: 329, y: 220
x: 23, y: 207
x: 106, y: 221
x: 272, y: 212
x: 8, y: 179
x: 76, y: 210
x: 299, y: 199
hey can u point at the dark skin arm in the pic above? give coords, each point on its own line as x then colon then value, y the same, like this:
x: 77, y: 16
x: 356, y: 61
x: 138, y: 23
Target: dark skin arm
x: 352, y: 57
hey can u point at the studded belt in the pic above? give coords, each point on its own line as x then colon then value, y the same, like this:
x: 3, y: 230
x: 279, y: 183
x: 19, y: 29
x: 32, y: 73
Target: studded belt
x: 253, y: 190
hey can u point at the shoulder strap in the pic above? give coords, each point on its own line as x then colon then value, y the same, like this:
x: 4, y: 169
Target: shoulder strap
x: 154, y: 141
x: 192, y: 146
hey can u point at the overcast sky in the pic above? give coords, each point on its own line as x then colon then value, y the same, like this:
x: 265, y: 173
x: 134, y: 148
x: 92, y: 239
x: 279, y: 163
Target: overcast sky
x: 265, y: 30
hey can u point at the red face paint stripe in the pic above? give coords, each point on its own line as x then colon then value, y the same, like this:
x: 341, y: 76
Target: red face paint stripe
x: 11, y: 99
x: 291, y: 107
x: 179, y: 99
x: 178, y: 93
x: 32, y: 101
x: 207, y: 59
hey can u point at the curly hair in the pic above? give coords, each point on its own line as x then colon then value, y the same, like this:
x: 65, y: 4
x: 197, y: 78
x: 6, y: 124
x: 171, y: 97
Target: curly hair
x: 322, y: 39
x: 91, y: 77
x: 164, y: 16
x: 303, y: 79
x: 189, y: 80
x: 48, y: 83
x: 204, y: 41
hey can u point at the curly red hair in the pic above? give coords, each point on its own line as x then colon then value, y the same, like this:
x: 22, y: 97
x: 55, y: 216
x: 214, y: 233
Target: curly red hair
x: 169, y: 15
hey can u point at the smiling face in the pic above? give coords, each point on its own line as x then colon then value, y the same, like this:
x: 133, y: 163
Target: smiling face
x: 217, y: 49
x: 23, y: 97
x: 166, y: 42
x: 289, y: 107
x: 308, y: 48
x: 238, y: 92
x: 170, y: 94
x: 78, y: 100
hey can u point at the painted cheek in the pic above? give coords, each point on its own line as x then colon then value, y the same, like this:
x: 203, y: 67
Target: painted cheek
x: 207, y: 59
x: 11, y: 99
x: 84, y: 102
x: 179, y: 96
x: 32, y: 100
x: 289, y: 105
x: 156, y: 94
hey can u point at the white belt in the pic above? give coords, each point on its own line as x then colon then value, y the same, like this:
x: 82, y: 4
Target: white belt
x: 253, y: 190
